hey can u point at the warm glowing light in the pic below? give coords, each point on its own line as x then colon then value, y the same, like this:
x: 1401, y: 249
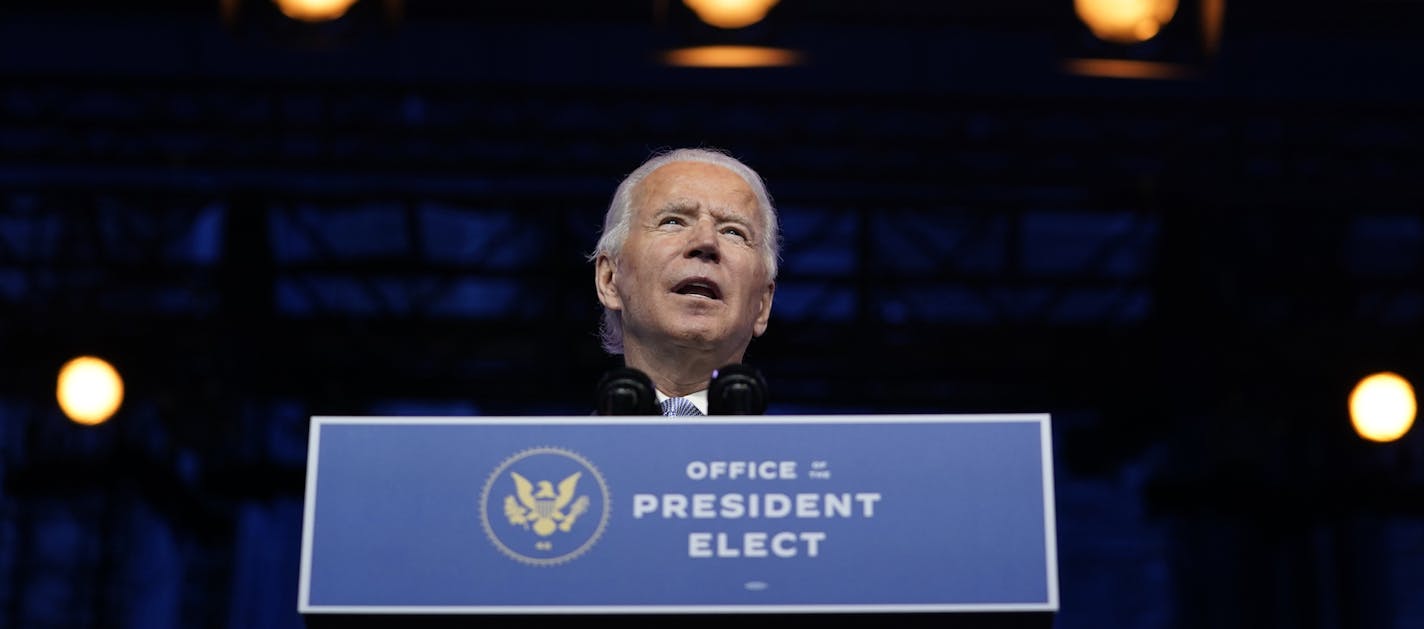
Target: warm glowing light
x: 1125, y: 21
x: 1213, y: 13
x: 89, y: 390
x: 1128, y: 69
x: 730, y: 13
x: 731, y: 57
x: 1382, y: 407
x: 314, y: 10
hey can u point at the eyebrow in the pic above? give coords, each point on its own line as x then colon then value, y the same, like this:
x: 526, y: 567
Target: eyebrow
x: 683, y: 206
x: 678, y: 205
x: 725, y: 217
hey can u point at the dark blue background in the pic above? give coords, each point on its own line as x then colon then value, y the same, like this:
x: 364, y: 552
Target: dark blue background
x: 258, y: 223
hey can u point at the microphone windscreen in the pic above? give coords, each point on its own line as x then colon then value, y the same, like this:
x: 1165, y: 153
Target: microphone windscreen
x: 736, y: 389
x: 627, y: 391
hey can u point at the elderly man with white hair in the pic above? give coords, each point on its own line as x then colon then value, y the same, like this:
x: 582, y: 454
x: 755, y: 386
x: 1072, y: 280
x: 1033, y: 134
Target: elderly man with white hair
x: 686, y: 269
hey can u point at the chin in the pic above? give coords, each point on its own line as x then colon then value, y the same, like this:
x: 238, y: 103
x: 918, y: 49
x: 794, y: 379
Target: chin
x: 699, y: 337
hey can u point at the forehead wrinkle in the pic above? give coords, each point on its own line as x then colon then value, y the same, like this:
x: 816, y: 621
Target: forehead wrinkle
x: 719, y: 213
x: 679, y: 204
x: 745, y: 209
x: 731, y: 214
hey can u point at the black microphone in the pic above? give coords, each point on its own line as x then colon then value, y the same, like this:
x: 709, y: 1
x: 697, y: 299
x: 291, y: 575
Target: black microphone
x: 736, y: 389
x: 627, y: 391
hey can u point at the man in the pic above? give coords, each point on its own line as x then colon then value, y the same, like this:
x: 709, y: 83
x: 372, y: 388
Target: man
x: 686, y: 268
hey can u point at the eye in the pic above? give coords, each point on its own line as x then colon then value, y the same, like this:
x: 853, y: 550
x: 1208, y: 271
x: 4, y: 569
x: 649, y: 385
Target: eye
x: 735, y: 231
x: 671, y: 220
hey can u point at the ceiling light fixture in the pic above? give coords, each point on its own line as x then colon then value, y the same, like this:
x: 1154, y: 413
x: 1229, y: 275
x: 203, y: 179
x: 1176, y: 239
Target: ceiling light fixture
x: 1125, y: 21
x: 726, y: 34
x: 314, y: 10
x: 730, y: 13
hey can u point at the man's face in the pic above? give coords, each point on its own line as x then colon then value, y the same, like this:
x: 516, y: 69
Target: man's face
x: 691, y: 272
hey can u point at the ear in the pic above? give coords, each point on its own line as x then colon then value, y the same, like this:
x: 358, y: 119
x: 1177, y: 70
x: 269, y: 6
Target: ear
x: 605, y: 276
x: 765, y: 314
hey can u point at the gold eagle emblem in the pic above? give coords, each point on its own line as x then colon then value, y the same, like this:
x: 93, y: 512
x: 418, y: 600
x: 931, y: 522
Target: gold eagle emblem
x: 544, y: 508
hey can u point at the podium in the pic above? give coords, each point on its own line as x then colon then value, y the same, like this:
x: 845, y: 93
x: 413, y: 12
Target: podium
x: 934, y: 520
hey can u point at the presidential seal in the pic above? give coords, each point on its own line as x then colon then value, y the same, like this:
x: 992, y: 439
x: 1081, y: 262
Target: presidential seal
x: 544, y: 506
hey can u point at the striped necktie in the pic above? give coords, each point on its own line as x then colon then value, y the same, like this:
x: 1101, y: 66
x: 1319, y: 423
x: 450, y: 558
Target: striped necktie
x: 678, y: 407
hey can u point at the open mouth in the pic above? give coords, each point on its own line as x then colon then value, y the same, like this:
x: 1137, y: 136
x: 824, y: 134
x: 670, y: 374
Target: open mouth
x: 698, y: 286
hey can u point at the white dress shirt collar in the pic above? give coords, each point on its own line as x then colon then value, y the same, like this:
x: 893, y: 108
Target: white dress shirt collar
x: 698, y: 398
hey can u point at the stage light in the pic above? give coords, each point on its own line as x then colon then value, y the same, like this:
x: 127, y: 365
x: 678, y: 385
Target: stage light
x: 90, y: 390
x: 1128, y: 69
x: 321, y: 25
x: 731, y: 57
x: 1143, y: 39
x: 1382, y: 407
x: 1125, y: 21
x: 314, y: 10
x: 730, y: 13
x: 724, y: 34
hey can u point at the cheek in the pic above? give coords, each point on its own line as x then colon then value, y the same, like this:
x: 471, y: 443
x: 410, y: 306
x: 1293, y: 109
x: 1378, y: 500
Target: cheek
x: 634, y: 278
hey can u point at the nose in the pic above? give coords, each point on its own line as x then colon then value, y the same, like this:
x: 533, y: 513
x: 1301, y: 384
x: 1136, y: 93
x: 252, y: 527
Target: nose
x: 702, y: 241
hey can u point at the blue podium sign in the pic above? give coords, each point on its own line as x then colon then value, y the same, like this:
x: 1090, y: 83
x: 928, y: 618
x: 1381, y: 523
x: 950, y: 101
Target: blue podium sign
x: 772, y: 514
